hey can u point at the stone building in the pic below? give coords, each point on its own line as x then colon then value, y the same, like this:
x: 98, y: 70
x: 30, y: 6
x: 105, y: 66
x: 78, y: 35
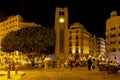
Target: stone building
x: 79, y: 40
x: 13, y: 23
x: 113, y: 36
x: 100, y: 48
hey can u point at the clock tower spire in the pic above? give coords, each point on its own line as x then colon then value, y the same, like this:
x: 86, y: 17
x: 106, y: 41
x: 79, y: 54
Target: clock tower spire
x: 61, y: 31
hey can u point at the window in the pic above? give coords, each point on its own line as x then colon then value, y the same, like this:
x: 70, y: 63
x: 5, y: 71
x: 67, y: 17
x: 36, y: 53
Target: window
x: 61, y: 13
x: 112, y: 35
x: 76, y: 31
x: 98, y: 42
x: 70, y: 44
x: 119, y: 34
x: 70, y: 37
x: 119, y: 49
x: 76, y: 50
x: 76, y: 36
x: 113, y: 28
x: 77, y: 44
x: 112, y: 42
x: 70, y: 50
x: 113, y: 50
x: 98, y: 51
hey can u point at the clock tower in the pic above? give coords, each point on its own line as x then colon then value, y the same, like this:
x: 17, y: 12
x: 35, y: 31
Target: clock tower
x: 61, y: 31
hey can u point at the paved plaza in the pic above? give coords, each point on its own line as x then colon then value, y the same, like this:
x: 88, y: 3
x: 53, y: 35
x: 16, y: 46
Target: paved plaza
x: 13, y: 75
x: 81, y: 73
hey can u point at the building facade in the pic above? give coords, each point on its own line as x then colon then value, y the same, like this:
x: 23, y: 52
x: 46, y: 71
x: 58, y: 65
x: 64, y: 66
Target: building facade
x: 93, y: 45
x: 79, y: 40
x: 97, y: 47
x: 113, y: 36
x: 100, y: 48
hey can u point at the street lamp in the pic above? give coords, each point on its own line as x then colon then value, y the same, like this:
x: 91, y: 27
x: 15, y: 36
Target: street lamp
x: 17, y: 52
x: 16, y: 66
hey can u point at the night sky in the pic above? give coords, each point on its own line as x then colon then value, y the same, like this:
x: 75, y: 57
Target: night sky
x: 91, y: 13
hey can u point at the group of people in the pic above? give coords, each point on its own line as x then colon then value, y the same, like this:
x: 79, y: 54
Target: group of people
x: 74, y: 63
x: 71, y: 63
x: 91, y: 63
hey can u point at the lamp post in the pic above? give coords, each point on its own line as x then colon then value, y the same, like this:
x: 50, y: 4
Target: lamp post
x: 8, y: 72
x: 16, y: 69
x: 16, y: 66
x: 9, y: 64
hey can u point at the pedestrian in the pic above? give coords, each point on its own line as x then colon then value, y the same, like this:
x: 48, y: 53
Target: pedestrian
x: 71, y: 64
x: 89, y: 64
x: 93, y: 63
x: 66, y: 63
x: 78, y: 62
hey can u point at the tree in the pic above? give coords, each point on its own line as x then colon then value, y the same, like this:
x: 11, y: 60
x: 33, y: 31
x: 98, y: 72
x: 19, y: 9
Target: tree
x: 32, y: 40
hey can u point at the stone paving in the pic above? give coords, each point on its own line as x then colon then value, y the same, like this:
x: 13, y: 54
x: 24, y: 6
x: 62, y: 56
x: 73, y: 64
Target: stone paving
x: 80, y: 73
x: 13, y: 75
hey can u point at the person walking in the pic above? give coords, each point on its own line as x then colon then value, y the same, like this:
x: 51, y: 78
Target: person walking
x: 77, y: 62
x: 89, y: 63
x: 71, y: 64
x: 94, y: 63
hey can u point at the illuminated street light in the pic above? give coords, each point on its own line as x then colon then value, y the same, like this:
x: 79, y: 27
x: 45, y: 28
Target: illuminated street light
x: 17, y: 52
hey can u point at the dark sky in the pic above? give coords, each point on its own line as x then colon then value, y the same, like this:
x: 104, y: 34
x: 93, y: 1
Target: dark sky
x: 91, y: 13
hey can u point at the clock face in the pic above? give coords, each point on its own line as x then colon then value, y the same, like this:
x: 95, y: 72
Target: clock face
x: 61, y: 20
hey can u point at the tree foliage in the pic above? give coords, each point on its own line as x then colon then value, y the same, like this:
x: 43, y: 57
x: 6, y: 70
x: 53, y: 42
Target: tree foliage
x: 29, y: 40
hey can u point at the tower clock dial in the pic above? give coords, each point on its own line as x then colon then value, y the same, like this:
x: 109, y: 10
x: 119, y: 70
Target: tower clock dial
x: 61, y: 20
